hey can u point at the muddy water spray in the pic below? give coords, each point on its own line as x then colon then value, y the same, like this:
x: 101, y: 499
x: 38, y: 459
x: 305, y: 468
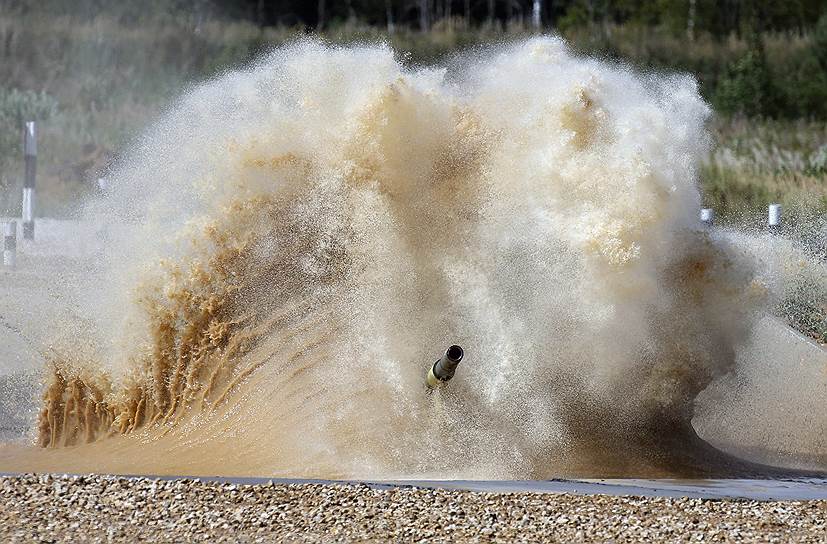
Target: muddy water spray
x: 293, y: 242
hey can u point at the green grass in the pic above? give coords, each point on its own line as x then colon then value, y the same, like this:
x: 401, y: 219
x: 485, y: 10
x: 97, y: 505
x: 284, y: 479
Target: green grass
x: 95, y: 84
x: 757, y: 162
x: 108, y: 81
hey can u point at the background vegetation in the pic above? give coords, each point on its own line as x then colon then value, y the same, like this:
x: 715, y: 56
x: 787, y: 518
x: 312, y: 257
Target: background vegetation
x: 95, y: 72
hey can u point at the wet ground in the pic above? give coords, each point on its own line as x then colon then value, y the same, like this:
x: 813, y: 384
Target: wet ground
x: 793, y: 488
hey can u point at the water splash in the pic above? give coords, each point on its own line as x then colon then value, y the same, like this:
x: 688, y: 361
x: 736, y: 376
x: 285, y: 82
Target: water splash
x: 294, y: 244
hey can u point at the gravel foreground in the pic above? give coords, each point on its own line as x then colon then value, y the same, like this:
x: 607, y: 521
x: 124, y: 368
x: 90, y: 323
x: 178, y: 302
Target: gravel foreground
x: 112, y: 509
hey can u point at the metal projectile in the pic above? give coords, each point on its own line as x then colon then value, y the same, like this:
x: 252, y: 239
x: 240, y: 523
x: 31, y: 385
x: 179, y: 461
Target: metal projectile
x: 443, y: 370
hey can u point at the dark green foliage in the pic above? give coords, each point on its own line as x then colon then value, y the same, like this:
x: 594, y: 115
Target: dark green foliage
x: 717, y: 17
x: 803, y: 84
x: 820, y: 41
x: 746, y: 88
x: 17, y: 107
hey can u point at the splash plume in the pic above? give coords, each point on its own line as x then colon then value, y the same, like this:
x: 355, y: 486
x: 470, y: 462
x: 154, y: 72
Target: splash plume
x: 294, y: 244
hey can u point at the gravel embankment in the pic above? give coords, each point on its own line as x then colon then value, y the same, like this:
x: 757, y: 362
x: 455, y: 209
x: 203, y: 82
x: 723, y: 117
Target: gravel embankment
x: 111, y: 509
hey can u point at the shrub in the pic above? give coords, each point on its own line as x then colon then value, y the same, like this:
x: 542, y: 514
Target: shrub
x: 803, y: 88
x: 17, y: 107
x: 746, y: 88
x: 820, y: 41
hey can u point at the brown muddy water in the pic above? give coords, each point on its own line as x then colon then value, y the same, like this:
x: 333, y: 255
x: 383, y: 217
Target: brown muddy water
x: 274, y: 266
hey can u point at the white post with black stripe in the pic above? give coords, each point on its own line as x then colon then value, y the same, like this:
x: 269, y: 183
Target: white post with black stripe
x: 10, y: 244
x: 707, y: 217
x: 30, y: 154
x: 774, y: 217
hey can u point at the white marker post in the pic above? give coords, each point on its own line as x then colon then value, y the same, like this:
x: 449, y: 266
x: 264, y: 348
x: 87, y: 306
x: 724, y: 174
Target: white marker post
x: 30, y: 153
x: 707, y: 216
x: 10, y: 244
x: 774, y: 217
x: 536, y: 14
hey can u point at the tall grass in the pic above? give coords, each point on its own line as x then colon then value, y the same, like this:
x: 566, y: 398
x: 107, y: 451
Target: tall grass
x: 95, y: 84
x: 756, y: 162
x: 109, y: 81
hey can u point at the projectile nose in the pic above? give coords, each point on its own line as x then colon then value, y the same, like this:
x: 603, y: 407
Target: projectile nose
x: 455, y: 353
x: 445, y: 367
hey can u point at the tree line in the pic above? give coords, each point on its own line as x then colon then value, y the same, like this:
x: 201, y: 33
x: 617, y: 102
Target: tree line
x: 717, y: 17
